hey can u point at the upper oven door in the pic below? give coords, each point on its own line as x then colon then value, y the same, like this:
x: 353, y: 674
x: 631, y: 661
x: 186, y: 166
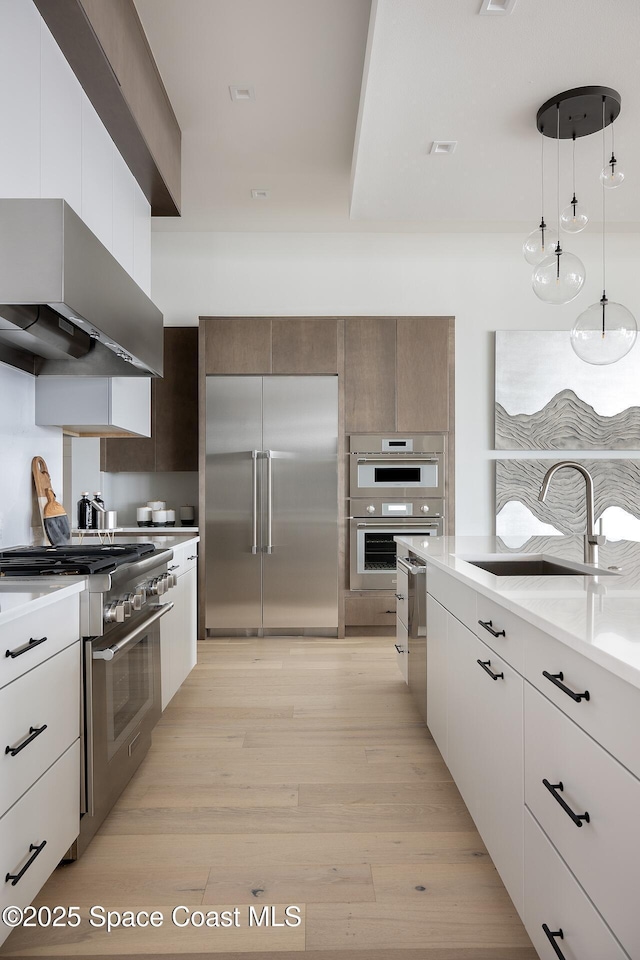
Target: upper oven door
x: 404, y: 476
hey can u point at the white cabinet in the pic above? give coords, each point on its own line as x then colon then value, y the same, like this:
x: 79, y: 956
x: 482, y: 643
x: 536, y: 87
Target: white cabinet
x: 20, y: 26
x: 142, y: 240
x: 484, y: 754
x: 97, y: 175
x: 40, y: 758
x: 179, y: 628
x: 437, y: 673
x: 95, y: 406
x: 61, y: 126
x: 123, y: 212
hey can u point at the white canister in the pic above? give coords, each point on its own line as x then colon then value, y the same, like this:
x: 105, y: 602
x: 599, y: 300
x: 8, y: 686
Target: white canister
x: 171, y: 518
x: 157, y: 504
x: 159, y: 518
x: 143, y: 516
x: 187, y: 515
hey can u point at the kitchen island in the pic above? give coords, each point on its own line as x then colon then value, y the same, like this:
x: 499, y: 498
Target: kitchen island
x: 533, y: 700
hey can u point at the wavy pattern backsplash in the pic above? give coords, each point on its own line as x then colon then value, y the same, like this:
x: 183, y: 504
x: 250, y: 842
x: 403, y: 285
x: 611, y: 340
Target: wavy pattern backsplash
x: 616, y: 483
x: 567, y: 423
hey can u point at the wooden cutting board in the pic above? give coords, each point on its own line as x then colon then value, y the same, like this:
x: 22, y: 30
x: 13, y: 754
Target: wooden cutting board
x: 55, y: 521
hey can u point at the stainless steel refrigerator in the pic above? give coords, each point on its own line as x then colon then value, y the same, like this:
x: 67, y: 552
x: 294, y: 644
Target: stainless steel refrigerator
x: 271, y: 545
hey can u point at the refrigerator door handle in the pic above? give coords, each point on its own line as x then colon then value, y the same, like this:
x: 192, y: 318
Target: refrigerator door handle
x: 269, y: 458
x: 254, y: 500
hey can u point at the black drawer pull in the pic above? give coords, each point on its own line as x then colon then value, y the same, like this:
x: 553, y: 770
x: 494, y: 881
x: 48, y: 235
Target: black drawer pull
x: 390, y: 611
x: 577, y: 818
x: 398, y: 648
x: 485, y: 664
x: 557, y: 678
x: 194, y: 556
x: 488, y: 625
x: 551, y: 936
x: 35, y: 732
x: 17, y: 877
x: 398, y: 596
x: 23, y: 649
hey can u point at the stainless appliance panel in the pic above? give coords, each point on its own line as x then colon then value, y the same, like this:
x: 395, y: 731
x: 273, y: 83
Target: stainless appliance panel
x: 299, y: 500
x: 397, y: 443
x: 421, y: 508
x: 233, y: 569
x: 417, y: 628
x: 373, y: 549
x: 404, y: 475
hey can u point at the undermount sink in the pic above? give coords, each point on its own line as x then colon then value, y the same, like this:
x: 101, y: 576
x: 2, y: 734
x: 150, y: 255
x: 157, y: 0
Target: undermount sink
x: 527, y: 565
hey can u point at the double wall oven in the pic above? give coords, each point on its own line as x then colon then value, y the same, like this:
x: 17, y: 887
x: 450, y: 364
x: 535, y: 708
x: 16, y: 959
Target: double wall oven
x: 397, y: 487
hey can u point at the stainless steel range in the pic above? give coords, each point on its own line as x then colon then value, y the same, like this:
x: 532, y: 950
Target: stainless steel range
x: 120, y: 612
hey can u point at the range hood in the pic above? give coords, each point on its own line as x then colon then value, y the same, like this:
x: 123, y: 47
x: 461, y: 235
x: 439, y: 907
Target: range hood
x: 67, y: 307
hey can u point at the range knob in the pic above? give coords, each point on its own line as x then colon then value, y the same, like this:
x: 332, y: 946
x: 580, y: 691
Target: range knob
x: 424, y: 508
x: 156, y: 587
x: 141, y: 595
x: 134, y: 600
x: 371, y: 508
x: 115, y: 612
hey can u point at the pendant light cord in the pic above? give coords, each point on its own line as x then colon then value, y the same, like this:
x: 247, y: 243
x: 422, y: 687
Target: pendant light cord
x: 558, y: 247
x: 604, y: 192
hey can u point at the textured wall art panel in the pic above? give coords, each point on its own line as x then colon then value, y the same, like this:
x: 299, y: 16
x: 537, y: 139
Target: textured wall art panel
x: 520, y: 514
x: 549, y: 399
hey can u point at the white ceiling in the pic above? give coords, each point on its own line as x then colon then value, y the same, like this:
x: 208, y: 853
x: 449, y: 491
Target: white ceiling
x: 434, y: 70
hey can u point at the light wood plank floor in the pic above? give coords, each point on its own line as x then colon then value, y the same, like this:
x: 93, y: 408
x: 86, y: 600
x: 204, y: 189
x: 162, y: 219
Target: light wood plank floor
x: 290, y: 771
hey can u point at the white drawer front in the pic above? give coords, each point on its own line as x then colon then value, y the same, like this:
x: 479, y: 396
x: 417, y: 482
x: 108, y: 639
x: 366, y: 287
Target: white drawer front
x: 553, y: 897
x: 611, y: 715
x: 603, y: 853
x: 49, y: 811
x: 402, y: 649
x: 511, y: 631
x: 402, y: 596
x: 454, y: 596
x: 185, y: 556
x: 46, y: 699
x: 59, y: 623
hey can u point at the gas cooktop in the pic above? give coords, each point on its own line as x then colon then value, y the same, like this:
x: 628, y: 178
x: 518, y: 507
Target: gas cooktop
x: 81, y: 560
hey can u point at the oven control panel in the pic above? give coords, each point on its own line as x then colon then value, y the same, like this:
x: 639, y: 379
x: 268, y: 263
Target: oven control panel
x: 119, y: 610
x: 425, y: 508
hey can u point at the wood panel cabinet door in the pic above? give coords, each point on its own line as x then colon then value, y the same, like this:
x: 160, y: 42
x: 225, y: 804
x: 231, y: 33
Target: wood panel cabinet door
x: 175, y: 402
x: 237, y: 345
x: 370, y: 374
x: 424, y: 354
x: 304, y: 346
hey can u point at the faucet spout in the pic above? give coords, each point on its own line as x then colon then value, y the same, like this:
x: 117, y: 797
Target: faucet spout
x: 592, y: 540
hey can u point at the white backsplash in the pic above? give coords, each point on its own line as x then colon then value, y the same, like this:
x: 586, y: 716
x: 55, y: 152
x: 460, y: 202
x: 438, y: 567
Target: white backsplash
x: 126, y: 491
x: 21, y: 441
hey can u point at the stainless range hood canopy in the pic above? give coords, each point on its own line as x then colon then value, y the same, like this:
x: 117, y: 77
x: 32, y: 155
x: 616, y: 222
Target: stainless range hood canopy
x: 67, y: 307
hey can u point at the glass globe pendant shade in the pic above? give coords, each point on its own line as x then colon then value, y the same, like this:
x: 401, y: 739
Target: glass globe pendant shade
x: 539, y: 244
x: 574, y: 217
x: 611, y: 176
x: 558, y: 278
x: 604, y: 333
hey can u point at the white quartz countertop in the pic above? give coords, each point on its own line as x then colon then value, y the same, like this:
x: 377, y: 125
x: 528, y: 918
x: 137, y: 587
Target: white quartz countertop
x: 161, y: 538
x: 597, y: 616
x: 20, y: 597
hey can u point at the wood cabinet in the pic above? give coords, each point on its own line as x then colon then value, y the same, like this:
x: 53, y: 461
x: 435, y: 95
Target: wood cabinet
x: 304, y: 346
x: 173, y: 445
x: 237, y: 346
x: 259, y: 345
x: 399, y: 374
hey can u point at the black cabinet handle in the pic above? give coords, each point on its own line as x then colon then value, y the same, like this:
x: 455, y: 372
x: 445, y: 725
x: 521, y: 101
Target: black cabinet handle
x: 390, y: 611
x: 398, y: 596
x: 35, y: 732
x: 485, y: 664
x: 551, y: 936
x: 194, y: 556
x: 488, y: 625
x: 17, y: 877
x: 398, y: 648
x: 557, y: 678
x: 577, y: 818
x: 23, y: 649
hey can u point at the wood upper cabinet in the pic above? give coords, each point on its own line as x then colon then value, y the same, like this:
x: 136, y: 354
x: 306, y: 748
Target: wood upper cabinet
x: 370, y: 374
x: 237, y: 346
x: 304, y: 346
x: 173, y: 445
x: 424, y: 351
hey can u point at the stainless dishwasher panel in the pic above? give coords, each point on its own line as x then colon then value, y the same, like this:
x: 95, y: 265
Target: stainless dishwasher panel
x: 417, y: 629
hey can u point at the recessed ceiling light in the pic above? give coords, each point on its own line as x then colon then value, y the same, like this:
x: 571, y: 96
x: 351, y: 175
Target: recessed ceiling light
x: 260, y: 194
x: 443, y: 146
x: 497, y: 6
x: 242, y: 93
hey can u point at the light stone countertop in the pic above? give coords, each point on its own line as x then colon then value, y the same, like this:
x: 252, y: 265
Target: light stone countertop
x: 20, y: 598
x: 598, y: 617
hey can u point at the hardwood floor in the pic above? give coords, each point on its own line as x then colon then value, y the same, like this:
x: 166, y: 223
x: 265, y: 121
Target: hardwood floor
x: 290, y: 771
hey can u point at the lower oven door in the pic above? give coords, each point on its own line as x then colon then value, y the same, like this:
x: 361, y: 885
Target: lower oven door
x: 122, y: 706
x: 373, y: 549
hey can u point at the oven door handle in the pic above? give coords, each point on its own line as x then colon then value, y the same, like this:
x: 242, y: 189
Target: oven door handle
x: 413, y: 569
x: 405, y: 458
x: 110, y: 653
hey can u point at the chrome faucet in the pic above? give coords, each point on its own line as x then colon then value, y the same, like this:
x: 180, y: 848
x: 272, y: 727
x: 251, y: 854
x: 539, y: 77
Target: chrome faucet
x: 592, y: 540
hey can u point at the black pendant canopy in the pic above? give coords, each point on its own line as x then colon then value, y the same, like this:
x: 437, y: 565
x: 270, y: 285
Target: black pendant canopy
x: 580, y: 112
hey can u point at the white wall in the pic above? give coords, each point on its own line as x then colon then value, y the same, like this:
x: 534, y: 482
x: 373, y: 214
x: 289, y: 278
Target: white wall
x: 480, y: 279
x: 21, y: 441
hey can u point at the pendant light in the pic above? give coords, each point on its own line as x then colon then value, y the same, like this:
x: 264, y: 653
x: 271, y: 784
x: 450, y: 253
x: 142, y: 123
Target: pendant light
x: 611, y: 176
x: 574, y: 217
x: 558, y: 278
x: 605, y: 332
x: 541, y: 241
